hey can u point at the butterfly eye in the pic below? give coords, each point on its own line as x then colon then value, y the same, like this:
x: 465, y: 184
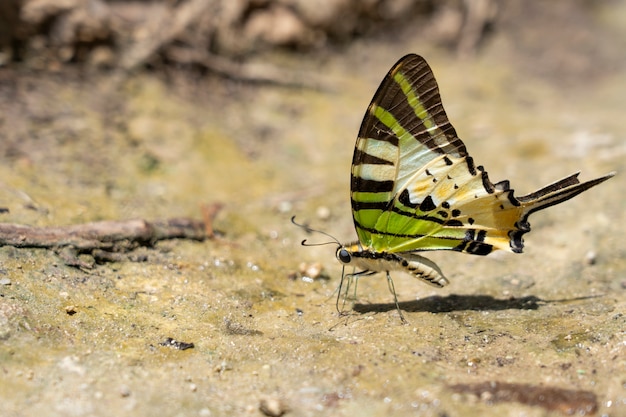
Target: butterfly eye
x: 344, y: 256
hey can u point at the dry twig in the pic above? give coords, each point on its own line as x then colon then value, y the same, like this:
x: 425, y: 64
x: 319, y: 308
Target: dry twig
x: 105, y: 240
x: 209, y: 212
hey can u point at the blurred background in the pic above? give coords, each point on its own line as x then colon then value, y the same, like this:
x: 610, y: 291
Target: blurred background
x: 121, y: 96
x: 47, y: 35
x: 114, y: 110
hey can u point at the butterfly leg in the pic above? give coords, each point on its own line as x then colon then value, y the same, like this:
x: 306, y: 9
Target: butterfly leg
x: 348, y: 277
x: 392, y: 289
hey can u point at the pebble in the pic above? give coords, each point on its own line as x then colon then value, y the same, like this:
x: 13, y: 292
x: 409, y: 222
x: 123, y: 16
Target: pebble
x: 591, y: 258
x: 323, y: 213
x: 272, y: 407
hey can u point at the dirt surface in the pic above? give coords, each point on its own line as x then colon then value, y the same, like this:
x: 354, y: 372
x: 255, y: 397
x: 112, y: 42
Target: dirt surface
x: 537, y: 334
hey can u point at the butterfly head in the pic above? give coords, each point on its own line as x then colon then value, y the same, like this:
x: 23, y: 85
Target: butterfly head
x: 348, y: 254
x: 343, y: 255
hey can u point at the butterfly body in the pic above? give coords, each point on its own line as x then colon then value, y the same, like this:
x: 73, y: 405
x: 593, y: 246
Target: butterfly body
x: 413, y: 186
x: 373, y: 261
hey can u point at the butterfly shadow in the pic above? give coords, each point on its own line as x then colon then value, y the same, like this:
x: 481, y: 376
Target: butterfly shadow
x: 454, y: 302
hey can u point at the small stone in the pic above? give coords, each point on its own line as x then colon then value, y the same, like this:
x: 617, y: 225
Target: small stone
x: 591, y: 258
x: 310, y: 271
x: 486, y: 396
x: 285, y: 207
x: 323, y: 213
x: 272, y: 407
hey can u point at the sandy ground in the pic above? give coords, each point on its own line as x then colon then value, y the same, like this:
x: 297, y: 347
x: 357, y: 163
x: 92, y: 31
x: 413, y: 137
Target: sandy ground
x: 537, y: 334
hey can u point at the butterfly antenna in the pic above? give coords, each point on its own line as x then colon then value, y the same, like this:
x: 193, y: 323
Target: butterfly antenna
x: 309, y: 230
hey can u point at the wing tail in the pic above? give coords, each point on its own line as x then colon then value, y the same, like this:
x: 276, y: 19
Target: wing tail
x: 548, y: 196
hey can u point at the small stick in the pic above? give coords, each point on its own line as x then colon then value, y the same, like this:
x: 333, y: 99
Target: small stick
x: 209, y: 211
x: 119, y: 236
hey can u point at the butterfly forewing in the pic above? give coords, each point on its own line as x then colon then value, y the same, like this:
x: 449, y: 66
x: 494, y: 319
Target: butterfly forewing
x: 404, y: 131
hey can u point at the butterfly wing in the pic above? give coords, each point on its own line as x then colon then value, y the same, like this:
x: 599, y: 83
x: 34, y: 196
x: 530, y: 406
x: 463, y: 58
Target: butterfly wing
x: 414, y: 187
x: 405, y: 129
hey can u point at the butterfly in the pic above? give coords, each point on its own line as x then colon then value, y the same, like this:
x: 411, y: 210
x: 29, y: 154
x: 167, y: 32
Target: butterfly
x: 414, y: 187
